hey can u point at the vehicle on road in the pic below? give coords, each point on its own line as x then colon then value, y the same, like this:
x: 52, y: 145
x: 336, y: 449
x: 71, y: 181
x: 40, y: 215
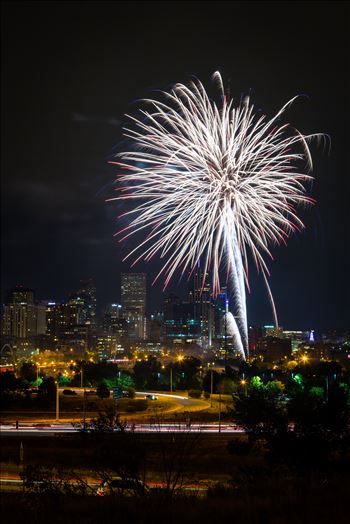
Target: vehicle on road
x: 68, y: 392
x: 151, y: 397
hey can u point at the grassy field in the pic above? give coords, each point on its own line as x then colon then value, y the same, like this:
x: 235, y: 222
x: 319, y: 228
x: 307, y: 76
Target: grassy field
x: 245, y: 489
x: 72, y: 408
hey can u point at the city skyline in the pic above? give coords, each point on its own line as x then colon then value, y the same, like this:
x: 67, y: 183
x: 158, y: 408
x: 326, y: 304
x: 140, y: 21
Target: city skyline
x: 57, y: 227
x: 175, y: 246
x: 189, y: 294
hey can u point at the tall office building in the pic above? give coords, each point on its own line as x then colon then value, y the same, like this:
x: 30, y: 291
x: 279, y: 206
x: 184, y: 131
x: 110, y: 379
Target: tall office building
x: 22, y: 317
x: 20, y: 295
x: 133, y: 299
x: 199, y: 294
x: 182, y: 322
x: 85, y: 299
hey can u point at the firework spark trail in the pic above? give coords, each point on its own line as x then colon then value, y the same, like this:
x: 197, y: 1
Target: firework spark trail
x: 219, y: 183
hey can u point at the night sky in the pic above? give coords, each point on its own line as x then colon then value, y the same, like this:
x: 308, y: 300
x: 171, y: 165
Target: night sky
x: 70, y: 70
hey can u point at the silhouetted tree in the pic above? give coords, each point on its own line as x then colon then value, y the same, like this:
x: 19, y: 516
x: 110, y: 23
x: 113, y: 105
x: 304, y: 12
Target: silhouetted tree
x: 94, y: 373
x: 185, y: 373
x: 207, y: 381
x: 147, y: 373
x: 103, y: 391
x: 260, y: 412
x: 28, y: 372
x: 8, y: 382
x: 47, y: 388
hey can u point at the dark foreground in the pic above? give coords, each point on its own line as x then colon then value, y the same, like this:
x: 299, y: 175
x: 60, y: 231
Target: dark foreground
x: 241, y: 485
x: 268, y: 502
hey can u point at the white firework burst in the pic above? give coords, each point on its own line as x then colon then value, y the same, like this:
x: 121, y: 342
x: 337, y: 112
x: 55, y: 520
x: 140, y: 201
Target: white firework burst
x: 218, y: 183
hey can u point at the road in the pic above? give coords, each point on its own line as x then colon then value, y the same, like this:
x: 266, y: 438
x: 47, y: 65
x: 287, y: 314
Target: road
x: 175, y: 403
x: 30, y: 429
x: 13, y: 483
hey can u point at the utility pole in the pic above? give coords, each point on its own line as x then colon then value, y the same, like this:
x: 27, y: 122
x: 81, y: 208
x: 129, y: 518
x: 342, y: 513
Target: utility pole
x: 84, y: 409
x: 81, y: 376
x: 57, y: 402
x: 211, y: 388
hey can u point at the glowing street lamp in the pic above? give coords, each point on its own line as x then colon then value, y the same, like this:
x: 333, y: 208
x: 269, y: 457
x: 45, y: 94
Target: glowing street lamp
x: 244, y: 384
x: 57, y: 401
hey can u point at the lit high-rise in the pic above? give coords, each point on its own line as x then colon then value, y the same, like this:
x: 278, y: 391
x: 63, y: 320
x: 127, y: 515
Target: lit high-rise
x: 133, y: 299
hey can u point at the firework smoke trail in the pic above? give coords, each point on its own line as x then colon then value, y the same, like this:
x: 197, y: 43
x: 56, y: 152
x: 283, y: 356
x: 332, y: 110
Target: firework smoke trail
x: 218, y: 183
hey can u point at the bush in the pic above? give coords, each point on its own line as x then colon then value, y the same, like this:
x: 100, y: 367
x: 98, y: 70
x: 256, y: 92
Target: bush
x: 130, y: 392
x: 131, y: 406
x: 102, y: 391
x: 206, y: 394
x: 141, y: 404
x: 195, y: 393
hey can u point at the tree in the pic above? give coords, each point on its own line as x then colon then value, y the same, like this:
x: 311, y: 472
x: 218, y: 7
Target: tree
x: 260, y: 413
x: 147, y: 373
x: 274, y: 388
x: 63, y: 380
x: 123, y: 380
x: 103, y: 391
x: 256, y: 383
x: 226, y: 386
x: 207, y: 381
x: 93, y: 373
x: 47, y: 388
x: 185, y: 373
x: 8, y: 382
x: 28, y: 372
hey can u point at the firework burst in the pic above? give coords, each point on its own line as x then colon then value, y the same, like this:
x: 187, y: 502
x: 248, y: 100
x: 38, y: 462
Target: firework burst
x: 218, y: 183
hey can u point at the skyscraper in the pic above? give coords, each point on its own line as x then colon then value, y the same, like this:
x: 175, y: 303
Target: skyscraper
x: 133, y: 299
x: 22, y: 318
x: 199, y: 294
x: 85, y: 298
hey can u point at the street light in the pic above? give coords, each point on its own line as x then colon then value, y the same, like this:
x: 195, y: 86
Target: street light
x: 244, y: 383
x: 57, y: 402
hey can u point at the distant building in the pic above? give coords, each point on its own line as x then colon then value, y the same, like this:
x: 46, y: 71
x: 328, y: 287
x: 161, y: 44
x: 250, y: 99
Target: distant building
x: 155, y: 329
x: 85, y: 298
x: 273, y: 349
x: 20, y: 295
x: 22, y: 317
x: 133, y: 299
x: 199, y: 294
x: 182, y: 323
x: 108, y: 347
x: 273, y: 331
x: 61, y: 318
x: 296, y: 337
x: 255, y: 334
x: 114, y: 330
x: 220, y: 314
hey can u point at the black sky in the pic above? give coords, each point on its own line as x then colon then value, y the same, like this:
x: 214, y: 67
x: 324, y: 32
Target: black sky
x: 70, y: 70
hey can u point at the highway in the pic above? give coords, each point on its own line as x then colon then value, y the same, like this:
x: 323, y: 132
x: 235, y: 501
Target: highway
x: 38, y: 429
x: 178, y: 403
